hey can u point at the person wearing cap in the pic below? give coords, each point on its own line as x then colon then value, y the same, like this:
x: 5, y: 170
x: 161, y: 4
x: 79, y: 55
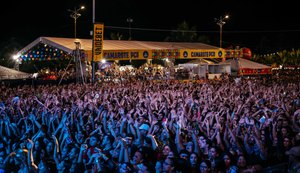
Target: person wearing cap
x: 142, y: 132
x: 144, y: 127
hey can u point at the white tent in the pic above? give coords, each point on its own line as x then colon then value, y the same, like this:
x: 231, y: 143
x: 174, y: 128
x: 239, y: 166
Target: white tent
x: 68, y: 44
x: 243, y: 66
x: 200, y: 61
x: 115, y: 49
x: 202, y: 67
x: 195, y: 63
x: 7, y: 73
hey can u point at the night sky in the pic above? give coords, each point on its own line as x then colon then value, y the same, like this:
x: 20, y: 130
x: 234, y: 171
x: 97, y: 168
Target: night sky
x: 276, y: 25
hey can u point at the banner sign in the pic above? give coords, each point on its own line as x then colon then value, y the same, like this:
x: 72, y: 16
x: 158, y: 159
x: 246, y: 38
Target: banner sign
x: 202, y: 53
x: 126, y: 55
x: 234, y: 53
x: 98, y: 41
x: 248, y: 71
x: 165, y: 53
x: 141, y: 54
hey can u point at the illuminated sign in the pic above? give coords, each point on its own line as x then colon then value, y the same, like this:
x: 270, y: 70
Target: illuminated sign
x: 162, y: 53
x: 234, y: 53
x: 202, y: 53
x: 165, y: 53
x: 141, y: 54
x: 98, y: 41
x: 126, y: 55
x: 248, y: 71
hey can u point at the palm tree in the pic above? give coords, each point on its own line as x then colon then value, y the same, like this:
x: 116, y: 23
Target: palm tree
x: 204, y: 39
x: 282, y: 57
x: 294, y: 57
x: 183, y: 33
x: 116, y: 36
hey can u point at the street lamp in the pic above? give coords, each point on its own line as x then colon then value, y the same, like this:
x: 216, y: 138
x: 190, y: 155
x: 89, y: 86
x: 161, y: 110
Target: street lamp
x: 93, y: 53
x: 17, y: 62
x: 75, y: 14
x: 129, y: 20
x: 221, y: 22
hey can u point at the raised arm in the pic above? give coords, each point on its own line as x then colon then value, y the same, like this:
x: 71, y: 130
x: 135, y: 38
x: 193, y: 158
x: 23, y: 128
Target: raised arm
x: 178, y: 141
x: 30, y: 156
x: 153, y: 141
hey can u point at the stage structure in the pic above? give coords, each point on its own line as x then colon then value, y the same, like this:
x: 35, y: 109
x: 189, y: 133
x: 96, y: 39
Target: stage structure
x: 55, y: 48
x: 79, y: 64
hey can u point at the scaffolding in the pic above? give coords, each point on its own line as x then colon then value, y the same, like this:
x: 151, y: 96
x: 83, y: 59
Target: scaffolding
x: 77, y: 58
x: 79, y: 71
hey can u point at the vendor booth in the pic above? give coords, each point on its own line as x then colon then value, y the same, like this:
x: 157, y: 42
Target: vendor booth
x: 245, y: 67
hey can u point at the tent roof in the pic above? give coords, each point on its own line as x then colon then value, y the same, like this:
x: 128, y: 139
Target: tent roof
x: 200, y: 61
x: 7, y: 73
x: 67, y: 44
x: 244, y: 63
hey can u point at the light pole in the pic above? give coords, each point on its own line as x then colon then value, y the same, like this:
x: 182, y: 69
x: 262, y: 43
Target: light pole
x: 93, y: 63
x: 75, y: 14
x: 221, y: 21
x: 17, y: 62
x: 129, y: 20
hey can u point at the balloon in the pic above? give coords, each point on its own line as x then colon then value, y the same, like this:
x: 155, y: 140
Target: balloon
x: 247, y: 54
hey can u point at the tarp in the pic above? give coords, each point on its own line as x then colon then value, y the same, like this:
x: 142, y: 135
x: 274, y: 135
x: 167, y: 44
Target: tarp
x: 124, y: 49
x: 195, y: 63
x: 246, y: 67
x: 67, y: 44
x: 7, y: 73
x: 200, y: 61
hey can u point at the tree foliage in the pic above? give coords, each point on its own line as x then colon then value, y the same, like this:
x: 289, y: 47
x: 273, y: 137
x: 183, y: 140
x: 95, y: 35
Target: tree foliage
x: 283, y: 58
x: 183, y: 33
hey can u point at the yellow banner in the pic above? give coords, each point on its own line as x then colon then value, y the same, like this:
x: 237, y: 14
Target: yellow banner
x: 141, y: 54
x: 202, y: 53
x: 127, y: 54
x: 234, y: 53
x: 161, y: 53
x: 98, y: 41
x: 165, y: 53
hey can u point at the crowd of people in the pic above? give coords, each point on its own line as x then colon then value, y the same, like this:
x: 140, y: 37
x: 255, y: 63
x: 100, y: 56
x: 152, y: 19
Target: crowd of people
x: 224, y: 126
x: 108, y: 71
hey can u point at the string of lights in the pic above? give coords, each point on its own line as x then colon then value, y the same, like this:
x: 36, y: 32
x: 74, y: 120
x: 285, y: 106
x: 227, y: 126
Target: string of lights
x: 43, y: 52
x: 198, y: 31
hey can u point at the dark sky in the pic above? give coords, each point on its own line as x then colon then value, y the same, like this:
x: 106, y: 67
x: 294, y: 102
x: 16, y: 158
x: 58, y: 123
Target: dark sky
x: 251, y: 23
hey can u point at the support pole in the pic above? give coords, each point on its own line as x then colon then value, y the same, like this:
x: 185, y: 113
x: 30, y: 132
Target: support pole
x: 93, y: 63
